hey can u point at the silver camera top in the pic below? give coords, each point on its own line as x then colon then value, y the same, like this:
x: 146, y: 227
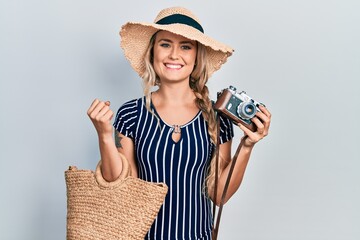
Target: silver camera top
x: 243, y: 96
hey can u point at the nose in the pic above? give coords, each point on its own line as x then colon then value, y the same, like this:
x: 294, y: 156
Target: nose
x: 174, y: 53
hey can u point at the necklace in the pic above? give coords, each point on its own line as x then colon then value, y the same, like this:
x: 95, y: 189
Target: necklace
x: 177, y: 129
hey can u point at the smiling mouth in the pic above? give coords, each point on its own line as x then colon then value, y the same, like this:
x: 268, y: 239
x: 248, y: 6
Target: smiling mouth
x: 173, y: 66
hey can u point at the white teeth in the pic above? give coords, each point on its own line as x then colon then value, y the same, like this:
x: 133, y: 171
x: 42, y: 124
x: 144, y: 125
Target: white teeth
x: 173, y: 66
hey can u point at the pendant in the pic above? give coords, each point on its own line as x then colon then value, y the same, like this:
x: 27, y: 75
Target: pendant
x: 176, y: 129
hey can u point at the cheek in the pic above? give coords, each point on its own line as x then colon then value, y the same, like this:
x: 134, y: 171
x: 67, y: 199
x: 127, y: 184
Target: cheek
x: 157, y: 59
x: 156, y: 62
x: 156, y: 66
x: 160, y: 53
x: 192, y: 58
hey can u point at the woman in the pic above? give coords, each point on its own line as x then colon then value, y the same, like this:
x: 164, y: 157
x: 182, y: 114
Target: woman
x: 169, y: 135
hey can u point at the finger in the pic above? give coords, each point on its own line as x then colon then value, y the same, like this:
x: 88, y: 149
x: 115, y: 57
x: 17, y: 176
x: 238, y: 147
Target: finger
x: 96, y: 110
x: 246, y: 131
x: 259, y: 125
x: 103, y: 111
x: 253, y: 137
x: 261, y: 115
x: 92, y: 106
x: 265, y: 111
x: 106, y: 118
x: 108, y: 115
x: 264, y: 118
x: 105, y: 107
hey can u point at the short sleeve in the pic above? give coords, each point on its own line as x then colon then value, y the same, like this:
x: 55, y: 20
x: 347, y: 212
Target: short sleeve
x: 226, y: 129
x: 126, y: 118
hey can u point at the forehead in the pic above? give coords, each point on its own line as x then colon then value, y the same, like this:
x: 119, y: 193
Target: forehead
x: 173, y: 37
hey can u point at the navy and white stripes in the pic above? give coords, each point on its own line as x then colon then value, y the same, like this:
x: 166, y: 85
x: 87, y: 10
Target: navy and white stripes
x: 186, y: 212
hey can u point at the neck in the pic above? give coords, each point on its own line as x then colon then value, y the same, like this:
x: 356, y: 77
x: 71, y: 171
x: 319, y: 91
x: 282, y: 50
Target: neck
x: 176, y: 94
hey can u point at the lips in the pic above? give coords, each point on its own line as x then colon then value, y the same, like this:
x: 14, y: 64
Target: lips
x: 173, y: 66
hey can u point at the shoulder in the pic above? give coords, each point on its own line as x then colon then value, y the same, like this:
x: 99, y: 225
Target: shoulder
x: 127, y: 109
x: 130, y: 105
x: 126, y: 117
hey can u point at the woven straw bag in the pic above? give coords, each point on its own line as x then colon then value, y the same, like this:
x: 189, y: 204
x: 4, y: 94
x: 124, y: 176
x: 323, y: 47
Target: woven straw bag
x: 123, y: 209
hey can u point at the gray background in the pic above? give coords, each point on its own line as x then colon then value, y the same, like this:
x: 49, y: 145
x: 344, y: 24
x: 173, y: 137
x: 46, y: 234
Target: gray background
x: 301, y: 58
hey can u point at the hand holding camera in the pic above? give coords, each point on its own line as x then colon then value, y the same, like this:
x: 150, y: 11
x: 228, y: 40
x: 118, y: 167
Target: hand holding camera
x: 244, y: 111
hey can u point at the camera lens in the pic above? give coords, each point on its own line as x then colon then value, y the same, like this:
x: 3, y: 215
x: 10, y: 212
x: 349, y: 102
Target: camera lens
x: 246, y: 110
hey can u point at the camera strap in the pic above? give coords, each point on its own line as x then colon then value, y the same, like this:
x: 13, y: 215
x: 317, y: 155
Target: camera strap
x: 217, y: 162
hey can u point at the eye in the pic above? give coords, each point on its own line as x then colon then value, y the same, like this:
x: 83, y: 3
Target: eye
x: 186, y: 47
x: 165, y: 45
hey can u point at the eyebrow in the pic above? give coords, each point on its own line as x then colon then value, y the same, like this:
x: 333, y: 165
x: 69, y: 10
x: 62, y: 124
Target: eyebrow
x: 182, y: 42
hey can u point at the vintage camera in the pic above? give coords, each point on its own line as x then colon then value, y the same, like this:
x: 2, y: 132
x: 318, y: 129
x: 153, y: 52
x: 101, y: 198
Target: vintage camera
x: 237, y: 106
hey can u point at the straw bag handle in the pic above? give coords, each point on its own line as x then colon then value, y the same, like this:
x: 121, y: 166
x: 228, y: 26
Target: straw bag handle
x: 126, y: 171
x: 216, y: 225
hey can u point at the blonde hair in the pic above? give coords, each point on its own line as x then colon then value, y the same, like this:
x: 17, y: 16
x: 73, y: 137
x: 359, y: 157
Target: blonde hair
x: 198, y: 80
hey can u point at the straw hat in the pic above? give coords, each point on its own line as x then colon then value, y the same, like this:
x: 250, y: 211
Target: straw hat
x: 135, y: 37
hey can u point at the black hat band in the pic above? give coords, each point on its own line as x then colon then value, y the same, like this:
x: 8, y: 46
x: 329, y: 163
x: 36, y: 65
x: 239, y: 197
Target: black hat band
x: 179, y: 18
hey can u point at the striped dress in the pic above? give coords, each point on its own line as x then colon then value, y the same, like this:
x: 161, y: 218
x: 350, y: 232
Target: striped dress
x: 186, y: 212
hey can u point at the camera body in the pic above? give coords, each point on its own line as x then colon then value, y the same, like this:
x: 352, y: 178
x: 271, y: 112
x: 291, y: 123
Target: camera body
x: 238, y: 106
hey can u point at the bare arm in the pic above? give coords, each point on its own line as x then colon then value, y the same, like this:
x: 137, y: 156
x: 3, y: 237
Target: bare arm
x: 262, y: 122
x: 125, y: 146
x: 101, y: 115
x: 237, y: 174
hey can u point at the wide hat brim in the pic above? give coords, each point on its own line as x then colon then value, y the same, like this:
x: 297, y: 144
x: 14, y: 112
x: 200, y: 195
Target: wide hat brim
x: 135, y: 38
